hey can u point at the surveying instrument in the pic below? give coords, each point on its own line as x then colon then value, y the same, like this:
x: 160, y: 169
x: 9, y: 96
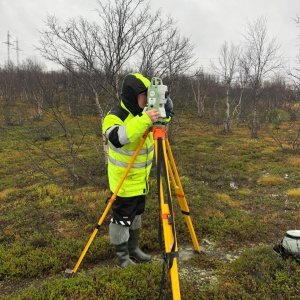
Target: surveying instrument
x: 166, y: 174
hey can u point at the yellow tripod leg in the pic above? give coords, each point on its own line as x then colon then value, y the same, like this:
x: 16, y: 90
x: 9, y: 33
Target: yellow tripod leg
x: 168, y: 223
x: 169, y: 241
x: 180, y: 196
x: 111, y: 200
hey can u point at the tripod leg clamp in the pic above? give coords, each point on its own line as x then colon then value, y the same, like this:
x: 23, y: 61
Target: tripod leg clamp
x: 169, y: 257
x: 169, y: 217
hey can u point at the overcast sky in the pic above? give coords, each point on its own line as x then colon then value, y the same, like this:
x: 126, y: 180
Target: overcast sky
x: 208, y: 23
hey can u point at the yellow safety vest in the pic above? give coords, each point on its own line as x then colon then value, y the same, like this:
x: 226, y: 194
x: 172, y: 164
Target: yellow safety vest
x: 136, y: 182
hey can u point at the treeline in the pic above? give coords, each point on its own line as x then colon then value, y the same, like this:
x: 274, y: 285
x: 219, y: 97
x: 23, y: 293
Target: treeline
x: 27, y: 91
x: 61, y: 116
x: 248, y: 82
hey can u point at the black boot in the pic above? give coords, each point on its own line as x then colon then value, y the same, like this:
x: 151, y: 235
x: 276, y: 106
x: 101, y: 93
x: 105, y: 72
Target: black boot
x: 123, y: 256
x: 134, y: 250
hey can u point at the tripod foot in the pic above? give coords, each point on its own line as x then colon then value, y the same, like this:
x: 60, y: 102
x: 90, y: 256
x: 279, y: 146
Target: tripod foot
x: 69, y: 272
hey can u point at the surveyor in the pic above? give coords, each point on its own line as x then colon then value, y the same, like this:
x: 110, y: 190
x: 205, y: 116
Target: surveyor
x: 123, y: 128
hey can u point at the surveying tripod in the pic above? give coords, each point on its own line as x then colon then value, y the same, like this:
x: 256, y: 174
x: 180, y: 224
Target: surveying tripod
x: 165, y: 168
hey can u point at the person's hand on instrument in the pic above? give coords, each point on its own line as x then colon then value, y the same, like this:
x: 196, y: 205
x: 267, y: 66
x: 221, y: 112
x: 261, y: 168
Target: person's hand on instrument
x: 153, y: 114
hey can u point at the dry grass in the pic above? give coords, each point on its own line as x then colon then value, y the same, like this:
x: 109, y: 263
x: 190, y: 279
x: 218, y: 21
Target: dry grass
x: 270, y: 180
x: 227, y: 200
x: 294, y: 193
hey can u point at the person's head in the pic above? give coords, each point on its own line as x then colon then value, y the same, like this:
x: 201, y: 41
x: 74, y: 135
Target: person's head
x: 134, y: 92
x: 142, y: 100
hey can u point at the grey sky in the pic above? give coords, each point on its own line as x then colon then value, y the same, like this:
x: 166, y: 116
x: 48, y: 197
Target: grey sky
x: 208, y: 23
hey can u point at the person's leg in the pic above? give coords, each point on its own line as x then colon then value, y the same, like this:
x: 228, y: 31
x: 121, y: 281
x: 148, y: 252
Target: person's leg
x: 124, y: 210
x: 134, y: 231
x: 119, y: 236
x: 133, y: 242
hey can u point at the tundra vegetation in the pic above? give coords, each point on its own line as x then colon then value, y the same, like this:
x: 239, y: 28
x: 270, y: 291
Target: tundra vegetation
x: 235, y: 140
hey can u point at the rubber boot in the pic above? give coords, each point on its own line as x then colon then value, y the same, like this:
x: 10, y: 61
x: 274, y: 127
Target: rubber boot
x: 123, y: 256
x: 134, y: 250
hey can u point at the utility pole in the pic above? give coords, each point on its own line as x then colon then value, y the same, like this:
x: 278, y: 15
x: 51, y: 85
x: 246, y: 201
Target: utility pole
x: 8, y: 45
x: 17, y: 49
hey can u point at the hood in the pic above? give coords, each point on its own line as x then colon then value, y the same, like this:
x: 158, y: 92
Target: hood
x: 133, y: 85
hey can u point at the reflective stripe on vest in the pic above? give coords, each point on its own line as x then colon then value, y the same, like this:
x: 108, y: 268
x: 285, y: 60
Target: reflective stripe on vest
x: 130, y: 152
x: 135, y: 165
x: 122, y: 135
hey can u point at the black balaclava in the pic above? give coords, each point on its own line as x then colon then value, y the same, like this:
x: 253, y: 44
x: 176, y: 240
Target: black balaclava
x: 132, y: 87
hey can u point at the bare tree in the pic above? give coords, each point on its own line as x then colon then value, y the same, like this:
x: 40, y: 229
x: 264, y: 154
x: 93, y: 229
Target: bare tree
x: 295, y: 72
x: 167, y: 55
x: 73, y: 47
x: 103, y: 49
x: 259, y: 60
x: 241, y: 85
x: 31, y: 73
x: 125, y: 26
x: 227, y: 70
x: 40, y: 139
x: 9, y: 95
x: 201, y: 84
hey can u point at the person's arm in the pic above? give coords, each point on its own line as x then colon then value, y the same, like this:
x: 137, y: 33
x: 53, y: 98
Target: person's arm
x: 120, y: 134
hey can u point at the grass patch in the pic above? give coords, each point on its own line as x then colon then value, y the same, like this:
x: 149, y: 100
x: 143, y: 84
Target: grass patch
x: 258, y: 274
x: 102, y: 283
x: 45, y: 224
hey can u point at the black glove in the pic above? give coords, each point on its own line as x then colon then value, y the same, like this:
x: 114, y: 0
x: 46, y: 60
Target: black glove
x: 169, y: 107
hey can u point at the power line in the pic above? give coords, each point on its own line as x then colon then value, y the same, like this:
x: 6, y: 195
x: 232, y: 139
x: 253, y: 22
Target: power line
x: 17, y: 49
x: 8, y: 45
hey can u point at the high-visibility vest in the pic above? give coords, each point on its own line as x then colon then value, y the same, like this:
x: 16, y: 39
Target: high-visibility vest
x: 136, y: 182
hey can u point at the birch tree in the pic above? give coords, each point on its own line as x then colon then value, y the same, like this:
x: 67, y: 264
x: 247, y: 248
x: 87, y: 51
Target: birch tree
x: 260, y: 59
x: 167, y: 55
x: 227, y: 70
x: 201, y: 85
x: 102, y: 49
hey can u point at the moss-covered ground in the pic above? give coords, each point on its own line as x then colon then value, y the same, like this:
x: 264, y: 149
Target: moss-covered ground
x: 243, y: 195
